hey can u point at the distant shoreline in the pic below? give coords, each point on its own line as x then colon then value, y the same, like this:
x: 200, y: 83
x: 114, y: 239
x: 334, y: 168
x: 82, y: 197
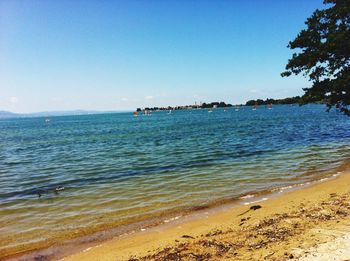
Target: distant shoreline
x: 201, y: 105
x: 221, y: 104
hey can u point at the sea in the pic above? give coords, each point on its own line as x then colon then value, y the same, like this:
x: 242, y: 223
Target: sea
x: 67, y: 177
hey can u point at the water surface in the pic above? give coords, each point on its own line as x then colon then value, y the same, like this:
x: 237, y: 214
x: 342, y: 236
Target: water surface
x: 117, y: 169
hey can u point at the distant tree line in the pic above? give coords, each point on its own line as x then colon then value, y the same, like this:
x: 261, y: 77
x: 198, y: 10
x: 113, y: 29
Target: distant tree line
x: 215, y: 104
x: 290, y: 100
x: 188, y: 107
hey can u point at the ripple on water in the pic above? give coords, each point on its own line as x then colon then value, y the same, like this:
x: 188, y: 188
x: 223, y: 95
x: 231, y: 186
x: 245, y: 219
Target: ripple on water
x: 117, y: 169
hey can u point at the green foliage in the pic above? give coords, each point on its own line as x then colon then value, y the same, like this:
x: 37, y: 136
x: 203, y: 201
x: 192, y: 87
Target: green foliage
x: 324, y: 55
x: 188, y: 107
x: 217, y: 104
x: 290, y: 100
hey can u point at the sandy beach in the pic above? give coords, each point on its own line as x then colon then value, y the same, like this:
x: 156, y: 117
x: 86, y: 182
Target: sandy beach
x: 310, y: 224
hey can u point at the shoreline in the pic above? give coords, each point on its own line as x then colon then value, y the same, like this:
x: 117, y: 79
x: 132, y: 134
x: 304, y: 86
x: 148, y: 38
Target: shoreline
x: 90, y: 242
x: 142, y: 244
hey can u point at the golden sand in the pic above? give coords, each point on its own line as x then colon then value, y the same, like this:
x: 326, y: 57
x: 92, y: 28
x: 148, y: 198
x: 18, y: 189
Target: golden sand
x: 294, y: 225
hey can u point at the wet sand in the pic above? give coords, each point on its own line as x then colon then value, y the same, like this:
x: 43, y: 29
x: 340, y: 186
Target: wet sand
x: 298, y: 224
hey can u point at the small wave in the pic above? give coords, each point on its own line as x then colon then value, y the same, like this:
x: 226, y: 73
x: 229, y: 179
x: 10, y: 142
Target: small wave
x: 286, y: 187
x: 171, y: 219
x: 247, y: 196
x: 255, y: 201
x: 337, y: 174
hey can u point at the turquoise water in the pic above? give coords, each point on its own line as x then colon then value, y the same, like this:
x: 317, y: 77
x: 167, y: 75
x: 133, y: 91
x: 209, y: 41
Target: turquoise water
x: 117, y: 168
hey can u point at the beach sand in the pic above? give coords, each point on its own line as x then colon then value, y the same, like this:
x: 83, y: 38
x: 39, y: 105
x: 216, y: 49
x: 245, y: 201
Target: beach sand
x: 312, y: 223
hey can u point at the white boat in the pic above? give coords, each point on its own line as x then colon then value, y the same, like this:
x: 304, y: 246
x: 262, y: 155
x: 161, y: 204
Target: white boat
x: 147, y: 113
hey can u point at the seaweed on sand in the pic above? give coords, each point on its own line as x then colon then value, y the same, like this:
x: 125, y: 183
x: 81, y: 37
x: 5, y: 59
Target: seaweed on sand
x: 264, y: 234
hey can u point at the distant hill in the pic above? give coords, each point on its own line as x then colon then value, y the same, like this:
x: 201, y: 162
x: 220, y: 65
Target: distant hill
x: 7, y: 114
x: 60, y: 113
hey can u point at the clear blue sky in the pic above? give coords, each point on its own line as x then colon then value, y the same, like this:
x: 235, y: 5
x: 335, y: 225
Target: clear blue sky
x: 119, y: 55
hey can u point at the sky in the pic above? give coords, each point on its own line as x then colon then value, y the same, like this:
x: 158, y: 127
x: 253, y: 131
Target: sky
x: 120, y: 55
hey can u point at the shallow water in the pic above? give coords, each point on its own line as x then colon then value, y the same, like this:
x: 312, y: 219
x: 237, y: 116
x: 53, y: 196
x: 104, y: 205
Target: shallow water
x: 117, y: 169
